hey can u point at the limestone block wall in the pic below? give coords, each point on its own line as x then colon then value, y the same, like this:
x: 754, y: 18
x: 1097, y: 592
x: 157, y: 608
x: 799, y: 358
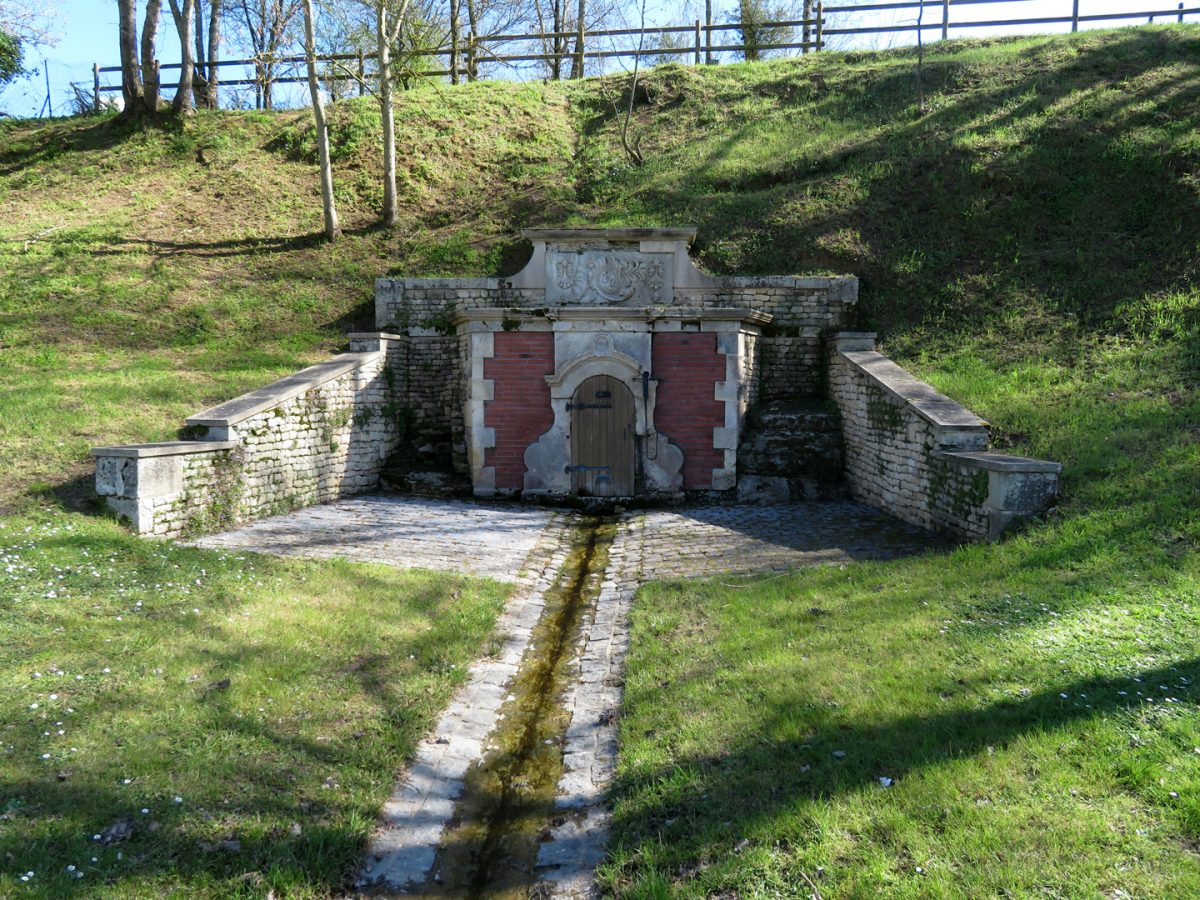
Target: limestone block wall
x: 313, y: 437
x: 920, y: 456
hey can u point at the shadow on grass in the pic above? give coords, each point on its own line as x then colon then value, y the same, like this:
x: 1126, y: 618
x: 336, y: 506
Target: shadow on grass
x: 65, y: 136
x: 765, y: 774
x: 1081, y: 213
x: 233, y: 246
x: 262, y: 777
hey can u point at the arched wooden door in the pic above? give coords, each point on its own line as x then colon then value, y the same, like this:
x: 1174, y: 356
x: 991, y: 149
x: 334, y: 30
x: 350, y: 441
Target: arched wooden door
x: 602, y: 438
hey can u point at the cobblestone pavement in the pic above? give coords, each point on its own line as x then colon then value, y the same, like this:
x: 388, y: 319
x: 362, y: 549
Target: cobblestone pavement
x: 476, y: 539
x: 715, y: 540
x: 404, y: 846
x: 567, y: 861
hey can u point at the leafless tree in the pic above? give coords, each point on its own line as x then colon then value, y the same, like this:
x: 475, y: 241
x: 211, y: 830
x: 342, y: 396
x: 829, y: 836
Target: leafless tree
x: 150, y: 75
x: 207, y: 39
x: 267, y: 28
x: 183, y: 104
x: 30, y: 21
x: 139, y: 76
x: 634, y: 151
x: 388, y: 23
x: 332, y: 230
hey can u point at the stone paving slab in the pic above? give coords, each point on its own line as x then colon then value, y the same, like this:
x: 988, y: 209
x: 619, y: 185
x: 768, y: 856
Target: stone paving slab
x: 490, y: 540
x: 404, y: 846
x: 742, y: 540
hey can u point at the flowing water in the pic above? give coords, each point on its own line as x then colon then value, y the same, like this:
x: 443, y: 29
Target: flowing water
x: 490, y: 848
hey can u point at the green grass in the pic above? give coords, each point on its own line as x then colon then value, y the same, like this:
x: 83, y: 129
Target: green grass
x: 1026, y: 239
x: 207, y: 698
x: 1004, y: 689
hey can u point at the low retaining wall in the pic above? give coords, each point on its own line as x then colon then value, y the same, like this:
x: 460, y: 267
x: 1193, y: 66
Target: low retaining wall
x: 922, y: 457
x: 312, y: 437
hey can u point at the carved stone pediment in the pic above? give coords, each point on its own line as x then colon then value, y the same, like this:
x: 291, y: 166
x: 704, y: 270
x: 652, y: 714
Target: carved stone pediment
x: 608, y: 278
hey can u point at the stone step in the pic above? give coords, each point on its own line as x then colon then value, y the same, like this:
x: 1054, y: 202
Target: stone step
x: 791, y: 416
x: 792, y: 450
x: 773, y: 489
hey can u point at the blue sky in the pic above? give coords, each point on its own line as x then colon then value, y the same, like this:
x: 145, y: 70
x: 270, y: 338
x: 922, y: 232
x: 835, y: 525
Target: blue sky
x: 88, y: 33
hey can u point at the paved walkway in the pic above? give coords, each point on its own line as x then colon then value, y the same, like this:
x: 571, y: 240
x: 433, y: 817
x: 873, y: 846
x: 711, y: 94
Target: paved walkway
x: 719, y: 540
x: 451, y: 535
x: 528, y: 545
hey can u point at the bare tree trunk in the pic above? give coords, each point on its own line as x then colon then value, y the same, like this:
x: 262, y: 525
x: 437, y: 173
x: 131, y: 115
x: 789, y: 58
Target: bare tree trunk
x: 454, y: 41
x: 472, y: 48
x: 213, y: 100
x: 183, y: 94
x: 556, y: 41
x: 634, y: 151
x: 332, y: 231
x: 150, y: 77
x: 131, y: 76
x: 383, y: 33
x: 577, y: 62
x: 199, y: 65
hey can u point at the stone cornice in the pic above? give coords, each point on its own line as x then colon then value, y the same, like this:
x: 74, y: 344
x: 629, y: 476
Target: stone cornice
x: 592, y: 235
x: 610, y: 313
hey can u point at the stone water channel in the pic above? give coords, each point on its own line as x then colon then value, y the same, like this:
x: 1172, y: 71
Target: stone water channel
x: 508, y: 806
x: 506, y: 796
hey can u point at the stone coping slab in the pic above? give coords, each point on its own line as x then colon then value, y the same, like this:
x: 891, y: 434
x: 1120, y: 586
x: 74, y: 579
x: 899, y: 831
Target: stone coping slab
x: 164, y: 448
x: 936, y: 408
x: 620, y: 313
x: 238, y: 410
x: 1002, y: 462
x: 610, y: 234
x: 374, y: 336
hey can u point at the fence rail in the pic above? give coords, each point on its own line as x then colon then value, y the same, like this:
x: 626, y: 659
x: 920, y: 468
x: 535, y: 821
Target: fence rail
x: 481, y: 49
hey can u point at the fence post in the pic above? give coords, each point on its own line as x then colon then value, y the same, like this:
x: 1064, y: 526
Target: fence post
x: 1075, y: 16
x: 820, y: 23
x: 1180, y: 20
x: 362, y: 75
x: 697, y: 42
x: 945, y: 19
x: 708, y: 32
x: 96, y: 85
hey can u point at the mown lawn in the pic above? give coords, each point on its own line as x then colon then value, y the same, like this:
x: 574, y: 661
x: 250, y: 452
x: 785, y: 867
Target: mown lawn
x: 1018, y: 719
x: 175, y: 722
x: 1023, y: 218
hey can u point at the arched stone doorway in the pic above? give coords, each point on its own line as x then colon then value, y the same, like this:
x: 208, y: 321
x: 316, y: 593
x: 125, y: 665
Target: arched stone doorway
x: 603, y: 438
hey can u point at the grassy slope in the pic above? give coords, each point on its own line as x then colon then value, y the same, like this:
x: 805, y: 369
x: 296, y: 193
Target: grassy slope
x: 140, y: 284
x: 1028, y: 242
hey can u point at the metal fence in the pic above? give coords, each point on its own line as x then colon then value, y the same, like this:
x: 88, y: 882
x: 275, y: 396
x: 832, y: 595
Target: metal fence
x: 700, y: 41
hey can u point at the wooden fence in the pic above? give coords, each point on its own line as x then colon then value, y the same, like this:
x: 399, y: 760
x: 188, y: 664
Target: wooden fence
x: 700, y: 41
